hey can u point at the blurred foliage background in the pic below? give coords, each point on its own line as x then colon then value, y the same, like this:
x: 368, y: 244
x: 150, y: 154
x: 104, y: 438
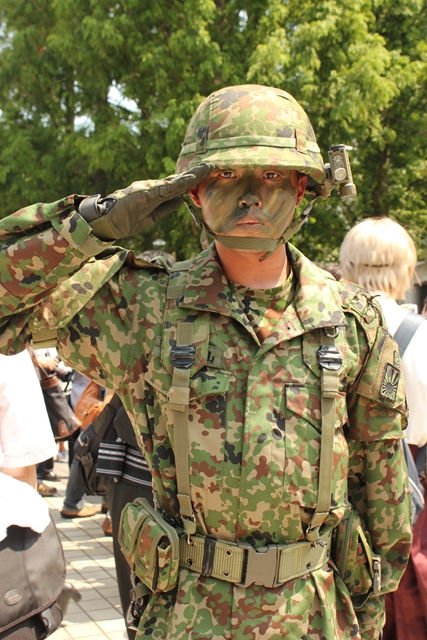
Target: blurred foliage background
x: 96, y: 93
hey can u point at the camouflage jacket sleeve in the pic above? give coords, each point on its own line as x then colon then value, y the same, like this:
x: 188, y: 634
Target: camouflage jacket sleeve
x: 378, y: 483
x: 42, y: 246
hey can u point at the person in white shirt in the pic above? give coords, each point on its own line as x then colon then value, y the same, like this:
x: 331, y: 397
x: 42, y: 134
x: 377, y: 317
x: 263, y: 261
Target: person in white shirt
x: 25, y: 439
x: 379, y: 254
x: 48, y: 363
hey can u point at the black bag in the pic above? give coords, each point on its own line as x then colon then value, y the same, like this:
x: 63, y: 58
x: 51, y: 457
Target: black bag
x: 86, y: 448
x: 32, y: 575
x: 61, y: 416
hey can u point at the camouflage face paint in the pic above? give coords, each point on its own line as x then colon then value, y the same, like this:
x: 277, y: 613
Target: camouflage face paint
x: 244, y: 202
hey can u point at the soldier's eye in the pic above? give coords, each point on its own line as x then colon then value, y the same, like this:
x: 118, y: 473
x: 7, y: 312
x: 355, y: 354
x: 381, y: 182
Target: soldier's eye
x: 227, y: 174
x: 272, y: 175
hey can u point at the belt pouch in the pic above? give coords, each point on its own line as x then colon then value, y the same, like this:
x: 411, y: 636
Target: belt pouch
x: 150, y: 545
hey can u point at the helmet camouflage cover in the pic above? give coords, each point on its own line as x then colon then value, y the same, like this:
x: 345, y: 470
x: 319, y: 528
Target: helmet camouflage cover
x: 252, y: 125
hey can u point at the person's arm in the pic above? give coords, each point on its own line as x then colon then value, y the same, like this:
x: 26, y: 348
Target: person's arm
x: 415, y: 370
x: 25, y: 433
x: 378, y: 483
x: 43, y: 245
x: 24, y: 474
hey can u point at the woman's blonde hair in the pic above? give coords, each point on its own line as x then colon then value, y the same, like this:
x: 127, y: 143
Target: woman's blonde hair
x: 380, y: 255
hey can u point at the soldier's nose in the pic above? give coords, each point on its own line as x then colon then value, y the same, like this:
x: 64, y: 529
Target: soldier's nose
x: 249, y: 200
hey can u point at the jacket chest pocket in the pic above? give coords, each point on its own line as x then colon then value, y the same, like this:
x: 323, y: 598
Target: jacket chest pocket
x: 302, y: 445
x: 205, y: 418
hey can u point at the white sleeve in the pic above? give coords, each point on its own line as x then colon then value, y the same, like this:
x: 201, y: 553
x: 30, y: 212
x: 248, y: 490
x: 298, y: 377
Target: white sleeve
x: 414, y: 366
x: 26, y: 436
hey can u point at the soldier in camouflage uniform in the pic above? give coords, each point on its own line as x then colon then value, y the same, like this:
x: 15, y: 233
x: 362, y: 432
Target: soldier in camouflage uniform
x: 240, y: 368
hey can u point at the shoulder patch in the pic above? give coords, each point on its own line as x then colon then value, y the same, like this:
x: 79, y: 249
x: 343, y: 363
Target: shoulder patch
x: 389, y: 383
x: 381, y: 379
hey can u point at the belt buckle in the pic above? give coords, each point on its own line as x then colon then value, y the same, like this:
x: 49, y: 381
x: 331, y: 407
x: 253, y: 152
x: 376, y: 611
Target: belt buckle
x: 260, y: 563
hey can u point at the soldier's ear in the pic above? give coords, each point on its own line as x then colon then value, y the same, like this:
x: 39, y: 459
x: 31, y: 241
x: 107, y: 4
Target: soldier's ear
x: 194, y: 195
x: 302, y: 184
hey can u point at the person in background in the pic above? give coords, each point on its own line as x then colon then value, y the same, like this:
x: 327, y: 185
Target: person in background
x: 25, y: 440
x: 127, y: 478
x: 379, y: 254
x: 62, y: 454
x: 424, y: 309
x: 48, y: 363
x: 74, y: 505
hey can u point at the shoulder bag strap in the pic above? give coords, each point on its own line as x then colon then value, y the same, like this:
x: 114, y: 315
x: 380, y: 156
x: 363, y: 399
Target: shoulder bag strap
x: 403, y: 336
x: 406, y: 330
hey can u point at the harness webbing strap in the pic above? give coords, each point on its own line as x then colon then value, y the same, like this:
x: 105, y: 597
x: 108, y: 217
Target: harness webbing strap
x: 330, y: 364
x: 179, y: 398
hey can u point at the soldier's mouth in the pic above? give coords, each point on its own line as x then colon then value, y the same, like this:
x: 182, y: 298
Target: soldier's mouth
x: 250, y: 222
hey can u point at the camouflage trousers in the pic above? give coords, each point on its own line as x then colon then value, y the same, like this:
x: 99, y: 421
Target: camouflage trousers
x: 315, y: 607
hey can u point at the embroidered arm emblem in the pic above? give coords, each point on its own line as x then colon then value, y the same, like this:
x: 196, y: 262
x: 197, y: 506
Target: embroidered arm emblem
x: 390, y: 383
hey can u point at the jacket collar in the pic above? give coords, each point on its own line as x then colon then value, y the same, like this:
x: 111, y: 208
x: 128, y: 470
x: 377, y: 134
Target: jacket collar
x: 316, y: 304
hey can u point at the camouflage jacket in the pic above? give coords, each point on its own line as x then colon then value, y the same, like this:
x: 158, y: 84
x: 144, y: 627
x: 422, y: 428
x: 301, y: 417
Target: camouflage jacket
x: 254, y: 414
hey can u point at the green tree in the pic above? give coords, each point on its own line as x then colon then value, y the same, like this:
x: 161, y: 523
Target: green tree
x: 97, y: 93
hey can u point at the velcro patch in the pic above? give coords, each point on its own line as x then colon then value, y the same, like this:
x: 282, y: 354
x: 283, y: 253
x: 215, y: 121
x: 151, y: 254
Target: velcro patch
x: 389, y: 383
x: 381, y: 380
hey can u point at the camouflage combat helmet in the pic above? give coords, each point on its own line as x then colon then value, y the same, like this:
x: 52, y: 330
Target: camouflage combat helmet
x: 252, y: 125
x: 256, y: 126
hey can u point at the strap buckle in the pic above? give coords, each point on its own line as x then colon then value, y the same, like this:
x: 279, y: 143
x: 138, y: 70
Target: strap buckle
x: 189, y: 526
x: 260, y: 566
x: 183, y: 355
x: 329, y: 357
x: 376, y: 578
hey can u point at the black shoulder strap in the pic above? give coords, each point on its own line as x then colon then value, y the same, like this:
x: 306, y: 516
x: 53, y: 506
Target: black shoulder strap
x: 109, y: 410
x: 90, y: 437
x: 406, y: 330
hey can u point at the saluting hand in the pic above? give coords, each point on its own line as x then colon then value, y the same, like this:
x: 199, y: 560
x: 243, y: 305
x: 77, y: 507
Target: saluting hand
x: 129, y: 211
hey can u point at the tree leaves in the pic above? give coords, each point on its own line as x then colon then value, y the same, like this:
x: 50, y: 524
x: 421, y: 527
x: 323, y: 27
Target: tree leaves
x: 97, y: 93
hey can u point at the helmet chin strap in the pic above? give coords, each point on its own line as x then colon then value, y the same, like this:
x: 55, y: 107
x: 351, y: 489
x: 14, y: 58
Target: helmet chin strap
x: 251, y: 243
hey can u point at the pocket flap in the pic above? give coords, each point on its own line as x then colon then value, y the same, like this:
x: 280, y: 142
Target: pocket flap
x: 131, y: 520
x: 210, y: 382
x: 205, y: 382
x: 304, y: 401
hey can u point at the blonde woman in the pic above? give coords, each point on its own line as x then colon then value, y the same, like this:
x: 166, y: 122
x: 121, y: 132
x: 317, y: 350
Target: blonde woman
x: 379, y: 254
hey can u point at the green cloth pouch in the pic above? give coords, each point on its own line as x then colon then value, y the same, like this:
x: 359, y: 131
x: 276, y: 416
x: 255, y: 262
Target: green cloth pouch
x: 150, y: 545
